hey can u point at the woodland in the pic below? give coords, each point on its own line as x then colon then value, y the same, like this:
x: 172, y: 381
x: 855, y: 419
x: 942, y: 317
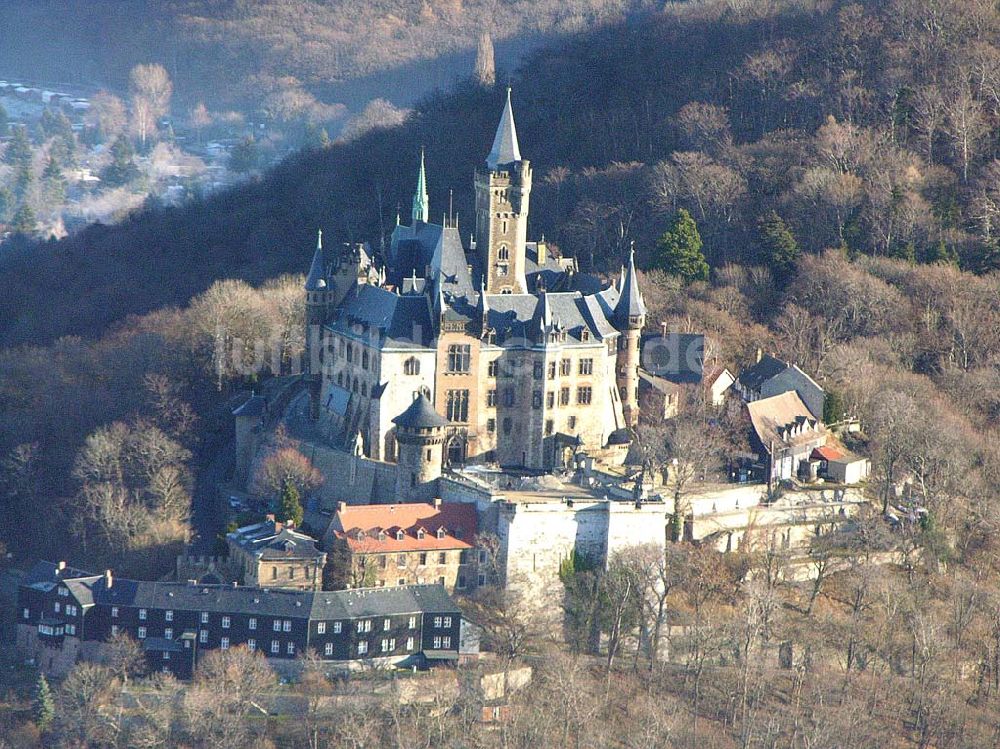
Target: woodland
x: 839, y: 165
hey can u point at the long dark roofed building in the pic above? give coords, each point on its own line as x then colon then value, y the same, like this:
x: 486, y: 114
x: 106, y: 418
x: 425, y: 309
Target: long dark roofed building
x: 64, y: 615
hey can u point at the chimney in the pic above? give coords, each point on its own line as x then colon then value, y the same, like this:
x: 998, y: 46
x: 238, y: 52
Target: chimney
x: 235, y: 584
x: 290, y: 524
x: 437, y: 503
x: 269, y: 517
x: 108, y: 580
x: 341, y: 506
x: 760, y: 353
x: 60, y: 567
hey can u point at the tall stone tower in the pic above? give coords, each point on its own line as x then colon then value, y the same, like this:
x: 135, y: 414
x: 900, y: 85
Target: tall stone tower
x: 629, y: 317
x: 319, y: 298
x: 502, y: 197
x: 420, y: 437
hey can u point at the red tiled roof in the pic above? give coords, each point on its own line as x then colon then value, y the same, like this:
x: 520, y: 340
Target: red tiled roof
x: 360, y: 526
x: 826, y: 452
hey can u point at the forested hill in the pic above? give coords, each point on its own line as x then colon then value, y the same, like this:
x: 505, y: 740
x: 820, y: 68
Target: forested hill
x: 872, y: 127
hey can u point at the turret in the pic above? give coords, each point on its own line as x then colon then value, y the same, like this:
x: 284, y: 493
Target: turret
x: 420, y: 436
x: 502, y: 200
x: 318, y: 293
x: 421, y: 205
x: 629, y: 318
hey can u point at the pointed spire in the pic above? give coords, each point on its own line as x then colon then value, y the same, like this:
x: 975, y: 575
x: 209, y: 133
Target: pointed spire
x: 505, y: 149
x: 421, y: 205
x: 630, y: 303
x: 316, y: 281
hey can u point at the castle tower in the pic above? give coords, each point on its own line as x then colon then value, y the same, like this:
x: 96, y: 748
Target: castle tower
x: 421, y: 205
x: 318, y: 298
x: 502, y: 197
x: 420, y: 437
x: 629, y: 317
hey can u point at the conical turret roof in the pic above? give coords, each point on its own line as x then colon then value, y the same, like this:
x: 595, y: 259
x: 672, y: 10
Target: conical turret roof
x: 316, y: 280
x: 505, y: 149
x: 420, y: 415
x: 630, y: 302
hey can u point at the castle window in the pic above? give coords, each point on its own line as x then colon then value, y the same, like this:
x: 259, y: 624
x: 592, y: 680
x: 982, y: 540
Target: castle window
x: 586, y: 366
x: 552, y: 370
x: 491, y: 425
x: 364, y: 360
x: 491, y: 398
x: 411, y: 366
x: 585, y: 335
x: 565, y: 367
x: 549, y: 427
x: 508, y: 397
x: 504, y: 230
x: 491, y: 368
x: 459, y: 356
x: 584, y: 395
x: 364, y: 389
x: 550, y: 399
x: 536, y: 399
x: 503, y: 253
x: 458, y: 405
x: 564, y: 396
x: 350, y: 352
x: 506, y: 290
x: 340, y: 378
x: 502, y: 269
x: 571, y: 423
x: 536, y: 370
x: 507, y: 424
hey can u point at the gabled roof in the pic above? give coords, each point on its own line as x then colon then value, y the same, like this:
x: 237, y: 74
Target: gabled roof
x: 783, y: 419
x: 752, y: 378
x: 505, y: 149
x: 276, y: 602
x: 420, y: 415
x: 418, y: 522
x: 270, y: 540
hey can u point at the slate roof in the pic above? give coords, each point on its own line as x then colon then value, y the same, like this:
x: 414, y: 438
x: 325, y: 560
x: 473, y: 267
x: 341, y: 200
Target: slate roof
x: 453, y: 517
x: 678, y: 357
x: 630, y: 303
x: 505, y: 149
x: 270, y: 540
x: 517, y: 315
x: 420, y: 415
x: 399, y: 321
x: 275, y: 602
x: 255, y: 405
x: 755, y: 376
x: 316, y: 280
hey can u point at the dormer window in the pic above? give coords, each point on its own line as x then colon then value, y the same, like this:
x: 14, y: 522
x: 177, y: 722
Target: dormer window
x: 381, y: 536
x: 585, y: 335
x: 400, y: 535
x: 420, y: 533
x: 440, y: 533
x: 360, y: 535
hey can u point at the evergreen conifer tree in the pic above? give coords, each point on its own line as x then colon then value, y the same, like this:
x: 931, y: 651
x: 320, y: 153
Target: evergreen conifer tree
x: 18, y: 153
x: 24, y: 221
x: 43, y: 706
x: 678, y: 251
x: 290, y: 505
x: 780, y: 250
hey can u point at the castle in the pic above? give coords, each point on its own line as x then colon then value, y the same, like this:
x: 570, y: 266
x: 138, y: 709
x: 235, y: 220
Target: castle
x: 523, y: 360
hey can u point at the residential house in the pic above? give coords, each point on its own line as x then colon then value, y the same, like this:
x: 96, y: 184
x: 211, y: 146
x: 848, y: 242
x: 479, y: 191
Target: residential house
x: 402, y: 544
x: 770, y: 376
x: 673, y: 368
x: 784, y: 435
x: 274, y: 554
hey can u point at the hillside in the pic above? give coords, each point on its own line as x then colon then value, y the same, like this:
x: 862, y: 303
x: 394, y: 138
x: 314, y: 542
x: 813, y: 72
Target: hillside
x: 232, y: 52
x: 729, y: 116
